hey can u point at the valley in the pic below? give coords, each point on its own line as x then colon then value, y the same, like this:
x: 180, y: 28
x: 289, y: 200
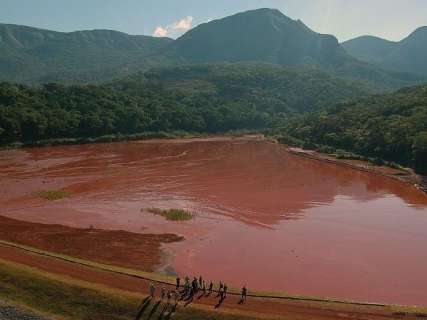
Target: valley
x: 279, y: 167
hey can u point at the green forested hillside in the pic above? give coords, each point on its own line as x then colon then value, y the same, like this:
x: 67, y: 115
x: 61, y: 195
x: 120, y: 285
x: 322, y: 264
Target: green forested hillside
x: 270, y: 88
x: 204, y: 98
x: 36, y: 55
x: 408, y: 55
x: 369, y: 48
x: 265, y: 35
x: 392, y: 127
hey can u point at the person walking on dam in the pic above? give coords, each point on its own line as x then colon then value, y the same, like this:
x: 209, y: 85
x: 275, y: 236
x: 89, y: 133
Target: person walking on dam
x: 163, y: 293
x: 204, y: 287
x: 210, y: 288
x: 152, y: 290
x: 221, y: 286
x: 244, y: 294
x: 169, y: 296
x: 195, y: 285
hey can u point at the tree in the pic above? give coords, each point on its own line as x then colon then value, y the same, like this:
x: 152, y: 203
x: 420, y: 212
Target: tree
x: 420, y: 152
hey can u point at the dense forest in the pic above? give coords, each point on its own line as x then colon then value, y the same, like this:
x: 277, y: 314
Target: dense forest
x: 301, y: 106
x: 199, y: 98
x: 390, y: 127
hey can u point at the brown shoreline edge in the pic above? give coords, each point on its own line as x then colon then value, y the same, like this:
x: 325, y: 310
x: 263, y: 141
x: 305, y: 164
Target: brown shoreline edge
x: 407, y: 176
x: 166, y: 280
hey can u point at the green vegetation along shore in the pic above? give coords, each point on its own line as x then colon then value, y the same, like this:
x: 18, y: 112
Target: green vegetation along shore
x: 52, y: 194
x: 390, y: 127
x: 172, y: 214
x: 299, y: 106
x: 193, y: 99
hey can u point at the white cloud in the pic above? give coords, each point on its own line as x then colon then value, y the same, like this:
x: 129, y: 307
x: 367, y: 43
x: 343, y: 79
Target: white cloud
x: 160, y: 32
x: 175, y: 28
x: 184, y: 24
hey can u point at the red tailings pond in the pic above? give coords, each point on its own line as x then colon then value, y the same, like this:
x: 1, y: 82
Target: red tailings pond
x: 263, y: 217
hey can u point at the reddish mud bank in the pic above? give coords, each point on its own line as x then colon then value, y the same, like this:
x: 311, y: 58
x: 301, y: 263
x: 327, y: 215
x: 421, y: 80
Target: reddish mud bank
x: 407, y: 176
x: 118, y: 248
x: 264, y: 217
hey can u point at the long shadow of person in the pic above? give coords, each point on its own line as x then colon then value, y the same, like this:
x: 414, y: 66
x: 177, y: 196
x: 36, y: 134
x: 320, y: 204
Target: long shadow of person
x: 163, y: 312
x: 221, y: 300
x: 153, y: 311
x: 201, y: 296
x: 172, y: 312
x: 190, y: 300
x: 141, y: 309
x: 144, y: 301
x: 182, y: 296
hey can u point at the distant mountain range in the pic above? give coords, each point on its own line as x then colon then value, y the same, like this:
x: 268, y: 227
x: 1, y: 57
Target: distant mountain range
x: 408, y: 55
x: 32, y: 54
x: 262, y: 35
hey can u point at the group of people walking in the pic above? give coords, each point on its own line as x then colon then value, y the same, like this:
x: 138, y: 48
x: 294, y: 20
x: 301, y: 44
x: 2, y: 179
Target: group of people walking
x: 189, y: 289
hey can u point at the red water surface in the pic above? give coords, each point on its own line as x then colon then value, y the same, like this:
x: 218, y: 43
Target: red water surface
x: 264, y: 218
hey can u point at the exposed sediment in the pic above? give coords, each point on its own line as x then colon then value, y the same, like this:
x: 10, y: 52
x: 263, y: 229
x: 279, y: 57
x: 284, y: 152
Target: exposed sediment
x: 120, y: 248
x: 407, y: 176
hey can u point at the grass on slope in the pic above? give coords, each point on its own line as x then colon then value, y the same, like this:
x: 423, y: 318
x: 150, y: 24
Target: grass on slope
x: 172, y: 214
x: 52, y: 194
x: 70, y: 299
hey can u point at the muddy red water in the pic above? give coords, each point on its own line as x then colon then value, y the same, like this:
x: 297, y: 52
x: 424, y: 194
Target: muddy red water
x: 263, y: 217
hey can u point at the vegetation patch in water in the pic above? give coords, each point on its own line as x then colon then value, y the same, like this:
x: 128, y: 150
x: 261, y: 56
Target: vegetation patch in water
x: 52, y: 194
x: 172, y: 214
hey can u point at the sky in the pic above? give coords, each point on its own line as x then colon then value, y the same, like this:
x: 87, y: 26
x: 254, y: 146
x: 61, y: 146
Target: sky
x: 346, y: 19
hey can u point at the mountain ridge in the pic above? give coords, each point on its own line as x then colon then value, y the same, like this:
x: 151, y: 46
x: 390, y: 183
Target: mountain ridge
x: 406, y: 55
x: 28, y: 52
x: 34, y: 55
x: 256, y: 35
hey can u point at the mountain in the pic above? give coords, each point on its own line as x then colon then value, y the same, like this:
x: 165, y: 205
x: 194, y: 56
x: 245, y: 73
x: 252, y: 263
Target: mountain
x: 369, y: 48
x: 408, y: 55
x: 265, y: 35
x: 28, y: 53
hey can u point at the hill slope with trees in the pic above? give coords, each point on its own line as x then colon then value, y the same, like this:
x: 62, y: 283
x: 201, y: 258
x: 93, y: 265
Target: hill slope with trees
x: 408, y: 55
x: 390, y: 127
x: 205, y: 98
x: 35, y: 55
